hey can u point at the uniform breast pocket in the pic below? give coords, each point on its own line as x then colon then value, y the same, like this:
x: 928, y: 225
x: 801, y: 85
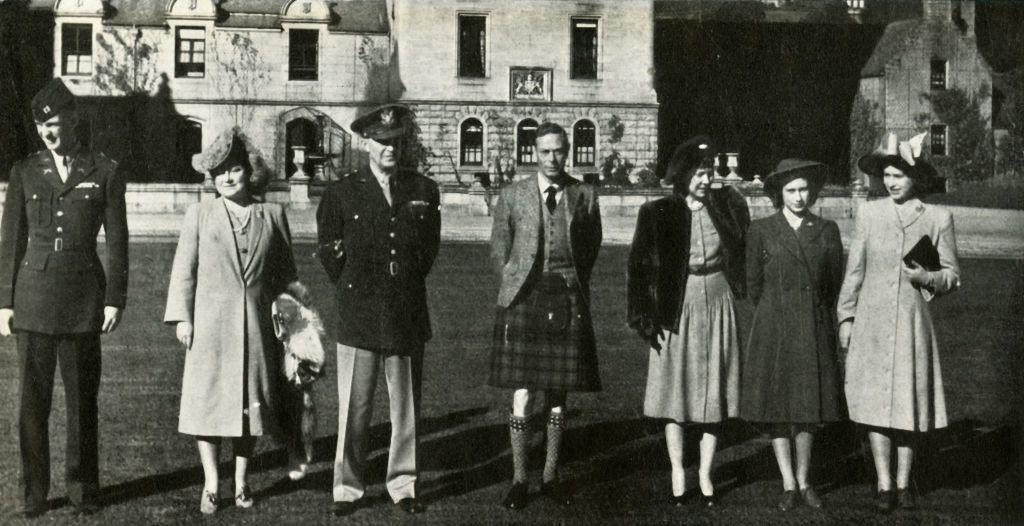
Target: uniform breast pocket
x: 85, y: 199
x: 37, y: 208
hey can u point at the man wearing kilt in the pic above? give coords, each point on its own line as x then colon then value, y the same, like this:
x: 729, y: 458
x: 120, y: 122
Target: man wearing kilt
x: 545, y: 238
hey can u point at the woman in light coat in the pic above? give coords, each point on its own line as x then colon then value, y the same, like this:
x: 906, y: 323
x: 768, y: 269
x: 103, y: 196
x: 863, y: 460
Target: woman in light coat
x: 233, y: 258
x: 893, y: 375
x: 790, y: 369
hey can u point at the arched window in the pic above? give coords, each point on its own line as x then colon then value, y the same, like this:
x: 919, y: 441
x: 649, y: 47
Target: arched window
x: 526, y: 138
x: 584, y: 143
x: 190, y: 142
x: 471, y: 141
x: 301, y: 132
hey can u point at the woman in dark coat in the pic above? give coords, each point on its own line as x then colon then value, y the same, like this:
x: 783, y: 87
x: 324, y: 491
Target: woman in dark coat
x: 790, y: 368
x: 685, y: 269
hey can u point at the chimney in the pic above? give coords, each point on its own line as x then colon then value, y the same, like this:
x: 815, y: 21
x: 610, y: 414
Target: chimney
x: 938, y: 10
x: 965, y: 9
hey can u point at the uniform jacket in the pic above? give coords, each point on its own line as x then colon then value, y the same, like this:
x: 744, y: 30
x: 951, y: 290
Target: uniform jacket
x: 790, y: 368
x: 893, y: 378
x: 50, y: 273
x: 386, y: 254
x: 234, y: 351
x: 659, y: 255
x: 516, y: 234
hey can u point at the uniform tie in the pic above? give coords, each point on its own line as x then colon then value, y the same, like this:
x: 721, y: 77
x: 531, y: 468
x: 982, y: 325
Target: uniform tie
x: 551, y: 202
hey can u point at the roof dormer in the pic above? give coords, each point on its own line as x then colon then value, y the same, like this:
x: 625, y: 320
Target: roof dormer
x: 306, y: 11
x: 191, y: 10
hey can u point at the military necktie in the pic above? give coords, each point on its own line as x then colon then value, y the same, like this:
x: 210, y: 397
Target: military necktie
x: 551, y: 202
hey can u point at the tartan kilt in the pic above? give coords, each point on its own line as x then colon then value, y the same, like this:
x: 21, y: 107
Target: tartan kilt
x: 545, y: 339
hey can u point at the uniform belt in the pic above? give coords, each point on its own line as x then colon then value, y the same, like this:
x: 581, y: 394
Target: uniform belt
x: 704, y: 271
x: 59, y: 244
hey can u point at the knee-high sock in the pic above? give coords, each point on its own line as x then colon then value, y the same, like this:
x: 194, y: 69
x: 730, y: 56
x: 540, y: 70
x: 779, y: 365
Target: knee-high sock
x: 519, y: 434
x: 556, y: 424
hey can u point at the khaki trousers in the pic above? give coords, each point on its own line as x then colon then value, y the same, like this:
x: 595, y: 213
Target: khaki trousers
x: 357, y: 380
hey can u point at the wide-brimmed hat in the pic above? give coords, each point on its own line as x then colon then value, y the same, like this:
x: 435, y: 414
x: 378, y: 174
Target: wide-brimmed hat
x: 383, y: 122
x: 789, y: 169
x: 905, y: 155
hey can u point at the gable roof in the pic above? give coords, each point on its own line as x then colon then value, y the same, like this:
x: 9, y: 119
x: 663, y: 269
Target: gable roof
x: 896, y: 40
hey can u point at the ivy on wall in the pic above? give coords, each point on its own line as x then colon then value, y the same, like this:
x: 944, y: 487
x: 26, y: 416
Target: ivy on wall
x: 970, y: 152
x: 865, y: 131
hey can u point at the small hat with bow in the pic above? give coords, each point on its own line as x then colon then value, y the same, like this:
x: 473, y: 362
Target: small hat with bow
x: 905, y: 155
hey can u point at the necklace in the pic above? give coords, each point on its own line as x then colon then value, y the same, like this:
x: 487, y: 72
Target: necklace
x: 243, y: 220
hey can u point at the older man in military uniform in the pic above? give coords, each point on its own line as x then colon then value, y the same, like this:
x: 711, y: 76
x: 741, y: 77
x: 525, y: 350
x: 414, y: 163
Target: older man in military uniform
x: 55, y: 295
x: 379, y: 231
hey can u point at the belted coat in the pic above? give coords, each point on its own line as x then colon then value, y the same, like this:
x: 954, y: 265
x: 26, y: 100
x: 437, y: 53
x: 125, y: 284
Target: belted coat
x: 50, y: 273
x: 384, y: 255
x: 893, y: 373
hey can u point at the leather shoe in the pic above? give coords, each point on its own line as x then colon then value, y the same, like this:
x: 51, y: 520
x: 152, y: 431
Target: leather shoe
x: 709, y: 501
x: 517, y: 496
x: 790, y: 500
x: 811, y: 497
x: 340, y: 508
x: 556, y: 493
x: 681, y: 500
x: 885, y: 501
x: 411, y: 505
x: 906, y: 499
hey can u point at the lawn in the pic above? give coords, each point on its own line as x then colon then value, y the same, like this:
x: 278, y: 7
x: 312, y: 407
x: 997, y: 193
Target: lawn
x: 968, y: 474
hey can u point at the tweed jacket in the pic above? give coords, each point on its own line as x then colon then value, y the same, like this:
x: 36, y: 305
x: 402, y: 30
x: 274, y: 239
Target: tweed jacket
x: 235, y: 356
x: 893, y: 374
x: 657, y: 268
x: 386, y: 252
x: 516, y: 234
x: 50, y: 273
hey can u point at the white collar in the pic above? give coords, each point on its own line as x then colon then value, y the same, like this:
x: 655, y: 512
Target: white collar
x: 693, y: 203
x: 235, y: 207
x: 544, y: 183
x: 381, y: 176
x: 794, y: 220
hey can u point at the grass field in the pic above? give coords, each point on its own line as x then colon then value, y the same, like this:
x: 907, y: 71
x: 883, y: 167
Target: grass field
x: 969, y: 474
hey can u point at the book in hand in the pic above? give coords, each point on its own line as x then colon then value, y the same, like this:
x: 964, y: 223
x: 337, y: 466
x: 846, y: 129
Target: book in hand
x: 924, y: 255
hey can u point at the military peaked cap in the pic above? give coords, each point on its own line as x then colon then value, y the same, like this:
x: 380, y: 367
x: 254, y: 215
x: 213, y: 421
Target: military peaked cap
x: 382, y: 122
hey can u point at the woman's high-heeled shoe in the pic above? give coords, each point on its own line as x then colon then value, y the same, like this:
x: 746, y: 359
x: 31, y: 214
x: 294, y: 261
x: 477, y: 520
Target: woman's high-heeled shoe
x: 243, y: 499
x: 208, y: 503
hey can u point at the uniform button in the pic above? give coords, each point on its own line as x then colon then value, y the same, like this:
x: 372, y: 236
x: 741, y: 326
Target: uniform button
x: 60, y: 213
x: 60, y: 229
x: 355, y: 216
x: 393, y: 219
x: 392, y: 251
x: 349, y: 285
x: 35, y: 196
x: 392, y: 234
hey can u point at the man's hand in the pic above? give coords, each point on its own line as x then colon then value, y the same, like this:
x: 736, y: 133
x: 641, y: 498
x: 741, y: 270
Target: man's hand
x: 845, y: 331
x: 111, y: 317
x: 6, y: 315
x: 184, y: 333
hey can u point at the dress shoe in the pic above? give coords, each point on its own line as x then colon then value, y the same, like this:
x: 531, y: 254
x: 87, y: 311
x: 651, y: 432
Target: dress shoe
x: 885, y: 501
x: 340, y: 508
x: 906, y: 499
x: 243, y: 499
x: 517, y: 496
x: 811, y: 497
x: 790, y: 500
x: 208, y: 503
x: 709, y: 501
x: 556, y: 492
x: 411, y: 505
x: 298, y: 472
x: 681, y: 500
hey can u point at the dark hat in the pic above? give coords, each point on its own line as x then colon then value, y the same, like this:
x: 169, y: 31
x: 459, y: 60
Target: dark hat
x: 905, y: 155
x: 52, y: 99
x: 228, y: 149
x: 790, y: 169
x: 696, y: 151
x: 382, y: 122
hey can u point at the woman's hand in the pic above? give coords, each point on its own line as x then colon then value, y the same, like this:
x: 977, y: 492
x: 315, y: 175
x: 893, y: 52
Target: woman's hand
x: 917, y: 275
x: 845, y: 331
x: 184, y: 333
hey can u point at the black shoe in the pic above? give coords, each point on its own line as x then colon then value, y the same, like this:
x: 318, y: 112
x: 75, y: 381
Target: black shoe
x: 790, y: 500
x: 556, y: 493
x: 411, y: 505
x: 340, y: 508
x: 709, y: 501
x: 517, y: 496
x: 681, y: 500
x: 906, y: 499
x: 87, y: 508
x: 885, y: 501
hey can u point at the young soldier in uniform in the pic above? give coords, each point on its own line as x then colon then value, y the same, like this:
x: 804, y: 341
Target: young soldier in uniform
x: 379, y: 231
x: 55, y: 295
x: 545, y: 238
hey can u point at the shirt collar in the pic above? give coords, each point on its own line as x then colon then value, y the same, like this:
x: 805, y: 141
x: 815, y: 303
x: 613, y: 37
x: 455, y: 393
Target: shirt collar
x: 381, y: 176
x: 794, y: 220
x: 543, y: 183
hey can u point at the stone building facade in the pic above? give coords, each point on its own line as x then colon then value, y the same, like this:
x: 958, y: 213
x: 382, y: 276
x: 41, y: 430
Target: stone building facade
x: 482, y: 74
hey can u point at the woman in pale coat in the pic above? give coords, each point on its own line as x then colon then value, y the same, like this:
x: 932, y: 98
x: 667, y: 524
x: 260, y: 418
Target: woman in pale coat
x: 893, y: 376
x: 233, y: 258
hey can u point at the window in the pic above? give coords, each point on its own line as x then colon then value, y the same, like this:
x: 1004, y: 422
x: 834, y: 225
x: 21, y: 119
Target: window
x: 940, y: 139
x: 190, y: 52
x: 526, y: 138
x: 584, y: 147
x: 76, y: 49
x: 471, y: 140
x: 938, y: 77
x: 855, y: 4
x: 302, y: 51
x: 190, y: 142
x: 584, y: 49
x: 472, y: 46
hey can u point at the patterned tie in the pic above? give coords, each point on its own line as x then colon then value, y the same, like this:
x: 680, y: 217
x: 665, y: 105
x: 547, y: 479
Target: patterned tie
x: 551, y: 202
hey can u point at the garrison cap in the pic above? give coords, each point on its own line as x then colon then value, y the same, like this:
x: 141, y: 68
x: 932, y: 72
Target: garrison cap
x: 52, y: 99
x: 382, y: 122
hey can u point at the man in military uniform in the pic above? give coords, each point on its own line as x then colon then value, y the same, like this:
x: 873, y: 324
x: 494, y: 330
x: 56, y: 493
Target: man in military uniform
x: 379, y: 231
x: 55, y: 295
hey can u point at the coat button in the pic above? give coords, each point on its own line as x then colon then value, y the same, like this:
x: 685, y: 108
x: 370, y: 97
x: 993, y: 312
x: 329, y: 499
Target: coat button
x: 60, y: 229
x: 355, y: 216
x: 60, y: 213
x: 392, y: 234
x: 392, y: 251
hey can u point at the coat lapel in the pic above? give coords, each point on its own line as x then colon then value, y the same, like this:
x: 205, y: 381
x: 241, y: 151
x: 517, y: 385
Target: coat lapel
x: 255, y: 234
x: 812, y: 227
x: 572, y: 199
x: 786, y: 236
x: 222, y: 224
x: 48, y: 168
x: 371, y: 192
